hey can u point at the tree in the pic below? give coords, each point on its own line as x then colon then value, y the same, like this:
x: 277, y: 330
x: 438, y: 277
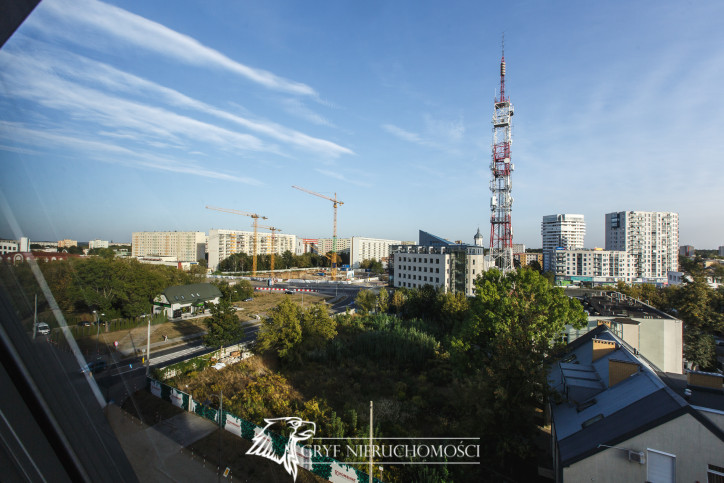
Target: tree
x: 399, y: 297
x: 365, y: 301
x: 317, y: 326
x: 383, y: 299
x: 102, y: 252
x: 514, y: 321
x: 224, y: 327
x: 374, y: 266
x: 534, y: 265
x: 244, y: 290
x: 282, y: 330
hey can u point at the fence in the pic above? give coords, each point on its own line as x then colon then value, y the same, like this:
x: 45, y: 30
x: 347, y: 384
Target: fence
x: 322, y: 466
x: 228, y: 355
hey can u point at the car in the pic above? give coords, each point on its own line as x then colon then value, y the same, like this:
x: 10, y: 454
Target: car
x: 84, y: 323
x: 42, y: 328
x: 248, y: 300
x: 93, y: 367
x: 289, y: 291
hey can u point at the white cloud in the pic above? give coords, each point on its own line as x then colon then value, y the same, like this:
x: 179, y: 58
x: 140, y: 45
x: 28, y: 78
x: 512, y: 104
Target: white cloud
x: 297, y: 108
x: 111, y: 153
x: 64, y: 17
x: 403, y: 134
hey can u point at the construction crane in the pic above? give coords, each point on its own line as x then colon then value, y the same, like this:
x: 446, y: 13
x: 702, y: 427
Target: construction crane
x: 271, y: 246
x: 334, y: 237
x: 256, y: 221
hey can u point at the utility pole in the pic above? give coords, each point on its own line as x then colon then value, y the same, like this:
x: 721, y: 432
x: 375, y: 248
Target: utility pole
x: 371, y: 414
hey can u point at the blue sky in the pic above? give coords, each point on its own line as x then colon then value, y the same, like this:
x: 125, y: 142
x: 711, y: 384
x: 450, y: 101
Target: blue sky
x: 133, y: 116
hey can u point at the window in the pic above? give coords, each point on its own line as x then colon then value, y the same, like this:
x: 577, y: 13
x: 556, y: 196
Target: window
x: 660, y: 466
x: 715, y: 474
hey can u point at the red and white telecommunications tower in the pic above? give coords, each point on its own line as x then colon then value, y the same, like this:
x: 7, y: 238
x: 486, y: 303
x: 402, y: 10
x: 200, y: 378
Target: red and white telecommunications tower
x: 501, y: 203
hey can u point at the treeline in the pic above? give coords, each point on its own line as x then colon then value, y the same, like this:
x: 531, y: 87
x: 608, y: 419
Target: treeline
x: 241, y: 262
x: 116, y: 287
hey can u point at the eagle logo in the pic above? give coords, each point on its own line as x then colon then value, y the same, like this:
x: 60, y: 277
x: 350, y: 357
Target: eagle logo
x: 262, y: 442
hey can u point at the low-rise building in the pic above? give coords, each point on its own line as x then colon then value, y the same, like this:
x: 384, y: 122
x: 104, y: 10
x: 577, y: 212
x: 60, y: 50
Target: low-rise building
x: 614, y: 415
x: 527, y: 258
x: 67, y: 243
x: 658, y: 336
x: 97, y: 244
x: 8, y: 246
x: 439, y: 263
x: 186, y: 299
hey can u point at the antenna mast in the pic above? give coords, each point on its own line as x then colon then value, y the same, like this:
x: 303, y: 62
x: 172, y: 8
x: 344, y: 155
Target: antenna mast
x: 501, y: 202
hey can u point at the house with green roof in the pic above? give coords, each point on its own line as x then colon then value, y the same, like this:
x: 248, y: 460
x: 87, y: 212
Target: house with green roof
x: 189, y: 299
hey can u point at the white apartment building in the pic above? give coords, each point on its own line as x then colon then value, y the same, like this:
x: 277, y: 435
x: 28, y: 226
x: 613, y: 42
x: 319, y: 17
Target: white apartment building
x: 561, y: 231
x: 324, y: 245
x: 97, y: 244
x: 651, y: 238
x: 185, y: 246
x: 224, y: 243
x: 362, y: 248
x: 8, y: 246
x: 597, y: 266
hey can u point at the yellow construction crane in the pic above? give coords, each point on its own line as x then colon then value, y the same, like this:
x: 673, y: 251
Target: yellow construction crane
x: 334, y: 238
x: 256, y: 221
x: 271, y: 245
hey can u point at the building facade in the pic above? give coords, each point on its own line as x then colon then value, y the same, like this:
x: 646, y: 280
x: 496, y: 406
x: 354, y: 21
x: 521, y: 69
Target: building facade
x: 97, y: 244
x: 687, y: 251
x: 439, y: 263
x: 67, y: 243
x: 185, y: 246
x: 526, y: 259
x: 362, y: 248
x: 597, y: 266
x: 561, y: 231
x: 324, y: 245
x: 650, y: 238
x: 224, y: 243
x: 8, y: 246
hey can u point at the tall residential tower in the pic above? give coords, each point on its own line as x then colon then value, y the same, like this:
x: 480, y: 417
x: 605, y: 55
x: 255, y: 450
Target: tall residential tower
x: 565, y: 231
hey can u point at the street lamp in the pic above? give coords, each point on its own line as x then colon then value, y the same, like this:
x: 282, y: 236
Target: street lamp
x: 148, y: 346
x: 98, y: 330
x: 221, y: 414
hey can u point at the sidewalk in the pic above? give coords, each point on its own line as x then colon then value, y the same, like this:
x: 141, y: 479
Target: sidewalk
x: 155, y: 452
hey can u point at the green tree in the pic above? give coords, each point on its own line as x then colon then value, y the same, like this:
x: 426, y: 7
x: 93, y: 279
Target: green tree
x: 399, y: 297
x: 102, y: 252
x: 514, y: 321
x: 224, y: 327
x: 374, y: 266
x: 365, y: 301
x: 243, y: 289
x: 383, y: 300
x: 282, y: 330
x: 317, y: 326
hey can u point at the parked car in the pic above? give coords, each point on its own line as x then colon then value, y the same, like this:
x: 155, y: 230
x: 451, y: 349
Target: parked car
x: 248, y: 300
x: 289, y: 291
x: 42, y: 328
x: 93, y: 367
x: 84, y: 323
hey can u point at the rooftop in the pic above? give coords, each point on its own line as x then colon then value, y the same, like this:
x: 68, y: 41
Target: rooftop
x: 615, y: 304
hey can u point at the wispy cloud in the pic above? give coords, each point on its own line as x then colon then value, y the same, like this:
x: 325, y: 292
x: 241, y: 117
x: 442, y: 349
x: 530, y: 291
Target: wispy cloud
x: 404, y: 135
x: 111, y: 153
x: 64, y: 17
x: 341, y: 177
x: 297, y: 108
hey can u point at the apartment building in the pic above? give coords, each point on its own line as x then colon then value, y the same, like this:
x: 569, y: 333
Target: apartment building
x: 439, y: 263
x: 526, y: 259
x: 561, y: 231
x: 8, y: 246
x: 67, y: 243
x: 224, y: 243
x: 651, y: 238
x: 186, y: 246
x: 362, y: 248
x: 324, y: 245
x: 597, y: 266
x: 97, y: 244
